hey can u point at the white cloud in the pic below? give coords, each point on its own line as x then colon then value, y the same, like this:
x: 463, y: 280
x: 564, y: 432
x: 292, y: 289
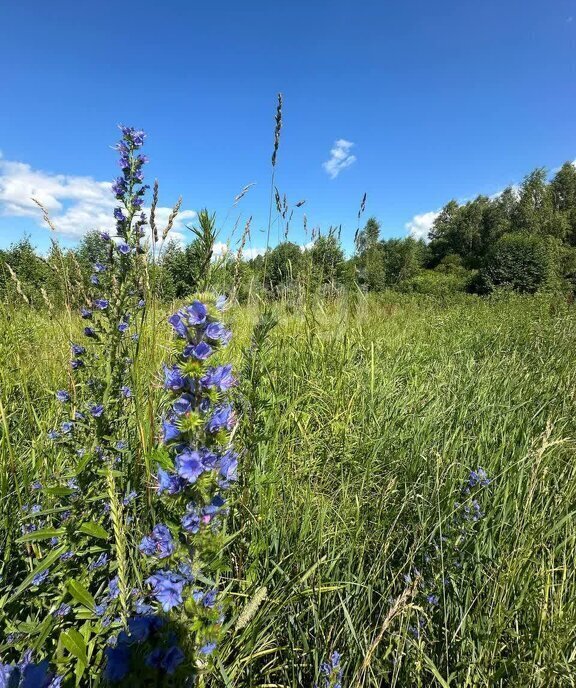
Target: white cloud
x: 220, y: 249
x: 250, y: 253
x: 340, y: 158
x: 420, y: 225
x: 75, y: 204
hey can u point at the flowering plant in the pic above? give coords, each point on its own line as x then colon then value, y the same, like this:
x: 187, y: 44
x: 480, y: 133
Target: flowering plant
x: 101, y: 603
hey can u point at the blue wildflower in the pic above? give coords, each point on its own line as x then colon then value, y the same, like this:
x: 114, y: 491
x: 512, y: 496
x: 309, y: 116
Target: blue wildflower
x: 207, y: 648
x: 200, y: 351
x: 167, y: 588
x: 62, y: 395
x: 229, y: 465
x: 220, y: 378
x: 126, y: 392
x: 174, y: 379
x: 183, y: 404
x: 189, y: 465
x: 196, y: 313
x: 171, y: 431
x: 169, y: 482
x: 101, y: 304
x: 123, y: 248
x: 119, y: 215
x: 99, y: 563
x: 78, y: 350
x: 96, y: 410
x: 63, y: 610
x: 66, y: 427
x: 39, y: 578
x: 478, y: 478
x: 159, y: 543
x: 178, y: 325
x: 94, y: 279
x: 85, y: 313
x: 222, y: 419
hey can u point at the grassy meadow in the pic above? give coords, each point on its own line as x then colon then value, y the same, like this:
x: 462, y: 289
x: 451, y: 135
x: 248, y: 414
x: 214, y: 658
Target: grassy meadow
x: 361, y: 420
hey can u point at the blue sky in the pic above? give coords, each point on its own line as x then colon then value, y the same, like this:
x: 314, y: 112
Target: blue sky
x: 440, y: 99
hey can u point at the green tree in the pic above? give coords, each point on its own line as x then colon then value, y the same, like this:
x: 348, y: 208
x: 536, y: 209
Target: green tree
x: 327, y: 259
x: 563, y: 192
x: 368, y: 237
x: 285, y: 264
x: 523, y: 262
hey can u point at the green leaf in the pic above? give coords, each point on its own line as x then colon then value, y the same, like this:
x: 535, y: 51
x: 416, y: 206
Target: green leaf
x: 59, y: 491
x: 80, y: 594
x: 42, y: 566
x: 43, y: 534
x: 94, y: 529
x: 74, y: 643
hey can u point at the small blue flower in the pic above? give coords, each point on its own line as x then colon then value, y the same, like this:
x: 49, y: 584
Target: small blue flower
x: 96, y: 410
x: 200, y: 351
x: 123, y: 248
x: 53, y: 435
x: 86, y: 314
x: 89, y: 332
x: 169, y: 482
x: 126, y: 392
x: 113, y: 589
x: 229, y: 465
x: 66, y: 427
x: 99, y: 563
x: 63, y: 610
x: 220, y: 378
x: 122, y: 327
x: 207, y: 648
x: 99, y: 267
x: 170, y: 430
x: 78, y: 350
x: 94, y: 279
x: 167, y: 588
x: 39, y: 578
x: 159, y: 543
x: 174, y: 379
x: 189, y: 465
x: 101, y: 304
x: 178, y: 325
x: 222, y: 419
x: 196, y: 313
x: 105, y: 236
x: 119, y: 215
x: 62, y: 395
x: 183, y: 404
x: 77, y: 363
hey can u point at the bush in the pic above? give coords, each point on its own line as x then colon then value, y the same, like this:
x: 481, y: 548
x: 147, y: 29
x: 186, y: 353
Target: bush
x: 522, y: 262
x: 438, y: 283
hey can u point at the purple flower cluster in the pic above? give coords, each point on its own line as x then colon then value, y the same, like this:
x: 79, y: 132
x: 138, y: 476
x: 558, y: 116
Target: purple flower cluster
x: 195, y: 429
x: 331, y: 672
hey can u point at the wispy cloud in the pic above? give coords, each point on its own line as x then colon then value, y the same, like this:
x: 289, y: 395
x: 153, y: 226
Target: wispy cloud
x: 420, y: 225
x: 340, y: 158
x: 75, y: 204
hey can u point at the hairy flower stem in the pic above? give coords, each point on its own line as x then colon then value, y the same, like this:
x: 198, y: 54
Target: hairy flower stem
x: 117, y: 526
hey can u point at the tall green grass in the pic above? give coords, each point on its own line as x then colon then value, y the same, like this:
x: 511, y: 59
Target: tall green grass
x: 362, y: 419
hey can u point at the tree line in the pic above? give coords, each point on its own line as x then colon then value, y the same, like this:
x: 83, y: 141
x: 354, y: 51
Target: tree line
x: 522, y: 239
